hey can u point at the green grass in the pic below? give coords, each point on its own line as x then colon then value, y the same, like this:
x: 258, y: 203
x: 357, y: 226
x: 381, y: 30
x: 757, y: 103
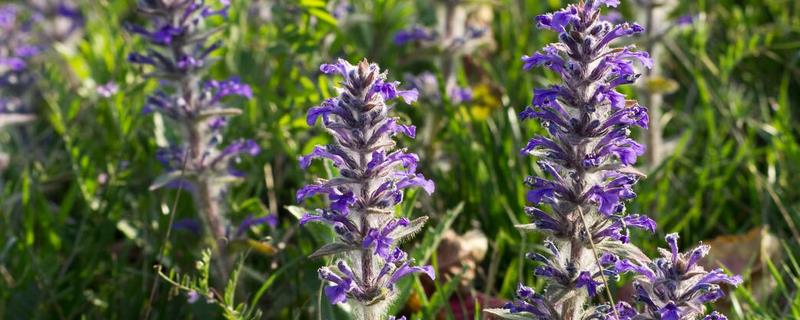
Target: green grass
x: 74, y: 247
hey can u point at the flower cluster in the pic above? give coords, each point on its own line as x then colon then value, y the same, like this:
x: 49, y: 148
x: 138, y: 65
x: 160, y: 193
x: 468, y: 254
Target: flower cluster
x: 454, y: 36
x: 19, y: 47
x: 372, y: 178
x: 674, y: 286
x: 60, y: 19
x: 179, y: 54
x: 588, y: 155
x: 26, y: 33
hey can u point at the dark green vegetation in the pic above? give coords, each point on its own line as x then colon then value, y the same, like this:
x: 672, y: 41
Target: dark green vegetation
x: 80, y: 231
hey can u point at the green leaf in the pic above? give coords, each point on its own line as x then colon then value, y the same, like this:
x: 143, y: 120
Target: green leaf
x: 415, y: 226
x: 297, y: 212
x: 505, y: 314
x: 166, y: 179
x: 312, y: 3
x: 332, y: 248
x: 323, y: 15
x: 225, y: 112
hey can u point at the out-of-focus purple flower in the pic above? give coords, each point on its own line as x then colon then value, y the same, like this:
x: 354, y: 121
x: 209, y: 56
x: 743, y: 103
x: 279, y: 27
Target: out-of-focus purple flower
x: 21, y: 43
x: 188, y: 224
x: 249, y: 222
x: 74, y: 17
x: 341, y: 9
x: 107, y: 90
x: 685, y: 20
x: 181, y: 33
x: 8, y: 16
x: 613, y: 16
x: 192, y: 297
x: 459, y: 95
x: 371, y: 180
x: 178, y: 56
x: 60, y: 20
x: 414, y: 34
x: 426, y: 84
x: 233, y: 86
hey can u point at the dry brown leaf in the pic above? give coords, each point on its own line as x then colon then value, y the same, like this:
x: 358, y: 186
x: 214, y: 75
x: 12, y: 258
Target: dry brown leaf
x: 747, y: 254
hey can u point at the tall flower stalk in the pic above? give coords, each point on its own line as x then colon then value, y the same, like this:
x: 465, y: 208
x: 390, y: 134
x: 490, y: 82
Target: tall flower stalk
x: 588, y: 155
x: 179, y: 54
x: 372, y: 176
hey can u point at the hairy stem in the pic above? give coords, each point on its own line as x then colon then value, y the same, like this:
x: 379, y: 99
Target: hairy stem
x: 207, y: 200
x: 207, y: 196
x: 572, y: 308
x: 368, y: 312
x: 597, y: 261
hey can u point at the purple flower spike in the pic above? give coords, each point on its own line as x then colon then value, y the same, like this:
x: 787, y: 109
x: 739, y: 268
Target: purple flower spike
x: 372, y: 179
x: 586, y: 160
x: 178, y: 56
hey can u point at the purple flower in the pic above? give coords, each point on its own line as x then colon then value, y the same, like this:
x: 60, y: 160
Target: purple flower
x: 685, y: 20
x: 242, y: 146
x: 389, y: 91
x: 407, y: 269
x: 192, y: 297
x: 177, y: 55
x: 426, y: 84
x: 250, y: 221
x: 585, y: 280
x: 372, y: 177
x: 380, y: 238
x: 229, y: 87
x: 341, y: 284
x: 531, y: 302
x: 188, y: 224
x: 674, y: 285
x: 608, y: 3
x: 22, y: 40
x: 413, y: 34
x: 559, y: 20
x: 460, y: 95
x: 715, y: 316
x: 107, y: 90
x: 342, y: 9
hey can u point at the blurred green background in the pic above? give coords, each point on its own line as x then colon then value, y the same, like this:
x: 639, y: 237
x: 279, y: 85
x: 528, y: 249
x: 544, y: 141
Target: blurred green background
x: 80, y: 231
